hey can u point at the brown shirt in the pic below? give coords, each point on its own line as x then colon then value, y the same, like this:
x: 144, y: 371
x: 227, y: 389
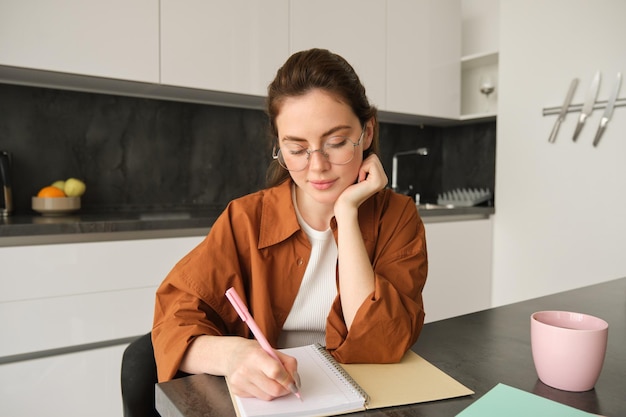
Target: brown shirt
x: 257, y: 246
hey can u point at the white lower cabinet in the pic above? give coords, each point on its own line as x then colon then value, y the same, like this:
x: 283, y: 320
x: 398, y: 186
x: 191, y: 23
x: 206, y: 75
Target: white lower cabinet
x: 78, y: 384
x: 459, y: 262
x: 57, y: 322
x: 56, y: 300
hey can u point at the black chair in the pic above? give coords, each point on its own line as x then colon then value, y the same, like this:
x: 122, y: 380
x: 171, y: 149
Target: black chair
x: 138, y: 377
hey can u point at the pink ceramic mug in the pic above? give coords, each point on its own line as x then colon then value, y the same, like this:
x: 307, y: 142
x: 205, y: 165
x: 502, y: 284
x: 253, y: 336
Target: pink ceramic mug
x: 568, y: 348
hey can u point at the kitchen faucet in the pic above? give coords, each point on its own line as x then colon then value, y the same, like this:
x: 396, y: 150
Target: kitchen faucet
x: 394, y: 166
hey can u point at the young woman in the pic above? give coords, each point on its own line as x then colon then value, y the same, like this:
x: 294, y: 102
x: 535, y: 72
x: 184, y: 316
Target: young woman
x: 324, y: 254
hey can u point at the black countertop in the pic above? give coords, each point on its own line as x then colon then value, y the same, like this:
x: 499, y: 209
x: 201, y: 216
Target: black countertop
x: 33, y: 229
x: 88, y: 227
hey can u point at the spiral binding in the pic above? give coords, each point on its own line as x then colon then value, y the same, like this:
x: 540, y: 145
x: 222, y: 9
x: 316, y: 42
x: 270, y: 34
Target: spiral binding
x: 338, y: 369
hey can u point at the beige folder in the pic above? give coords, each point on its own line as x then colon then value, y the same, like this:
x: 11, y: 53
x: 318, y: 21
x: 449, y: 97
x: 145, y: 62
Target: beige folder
x: 412, y: 380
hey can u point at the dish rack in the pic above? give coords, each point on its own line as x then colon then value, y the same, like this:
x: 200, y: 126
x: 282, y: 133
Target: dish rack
x: 464, y: 197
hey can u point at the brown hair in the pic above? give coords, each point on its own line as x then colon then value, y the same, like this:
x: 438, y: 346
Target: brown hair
x: 316, y: 69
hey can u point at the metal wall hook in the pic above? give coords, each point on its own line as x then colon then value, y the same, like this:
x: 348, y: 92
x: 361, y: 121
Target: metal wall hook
x: 573, y: 108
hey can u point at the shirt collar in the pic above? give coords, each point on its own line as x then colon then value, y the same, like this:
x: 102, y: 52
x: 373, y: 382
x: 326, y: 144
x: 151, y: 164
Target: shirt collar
x: 278, y: 216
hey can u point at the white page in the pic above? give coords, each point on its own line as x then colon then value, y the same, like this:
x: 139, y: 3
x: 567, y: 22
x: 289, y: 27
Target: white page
x: 323, y: 391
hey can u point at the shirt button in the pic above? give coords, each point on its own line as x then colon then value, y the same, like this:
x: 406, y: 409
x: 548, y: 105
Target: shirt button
x: 300, y: 261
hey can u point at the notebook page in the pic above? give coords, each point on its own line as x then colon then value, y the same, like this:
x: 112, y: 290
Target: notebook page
x: 323, y: 391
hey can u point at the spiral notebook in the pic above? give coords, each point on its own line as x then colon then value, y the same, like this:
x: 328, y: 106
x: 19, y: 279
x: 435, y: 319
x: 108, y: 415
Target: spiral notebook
x: 329, y: 388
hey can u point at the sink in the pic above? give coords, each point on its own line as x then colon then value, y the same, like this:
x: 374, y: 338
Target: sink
x: 431, y: 206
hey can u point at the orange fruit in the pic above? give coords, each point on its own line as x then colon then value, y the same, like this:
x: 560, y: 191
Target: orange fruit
x: 51, y: 191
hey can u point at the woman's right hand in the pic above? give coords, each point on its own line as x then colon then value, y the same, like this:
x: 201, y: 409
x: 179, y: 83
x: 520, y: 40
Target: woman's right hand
x: 251, y: 371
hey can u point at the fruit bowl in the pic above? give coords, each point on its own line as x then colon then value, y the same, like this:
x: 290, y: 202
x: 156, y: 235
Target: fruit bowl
x: 55, y: 206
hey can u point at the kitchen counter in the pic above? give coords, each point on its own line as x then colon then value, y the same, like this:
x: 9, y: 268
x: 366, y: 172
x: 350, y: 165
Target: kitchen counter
x: 35, y: 229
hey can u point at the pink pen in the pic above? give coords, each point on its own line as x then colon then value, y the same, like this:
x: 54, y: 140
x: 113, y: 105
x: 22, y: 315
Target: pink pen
x: 246, y: 317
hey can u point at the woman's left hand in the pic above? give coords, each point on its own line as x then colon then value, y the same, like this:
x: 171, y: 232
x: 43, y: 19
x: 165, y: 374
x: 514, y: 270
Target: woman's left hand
x: 371, y: 179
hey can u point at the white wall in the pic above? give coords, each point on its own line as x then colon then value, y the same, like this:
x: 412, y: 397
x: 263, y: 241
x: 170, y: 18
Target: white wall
x: 560, y: 218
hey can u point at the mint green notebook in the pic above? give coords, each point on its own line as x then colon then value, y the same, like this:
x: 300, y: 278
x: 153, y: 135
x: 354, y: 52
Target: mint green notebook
x: 503, y: 400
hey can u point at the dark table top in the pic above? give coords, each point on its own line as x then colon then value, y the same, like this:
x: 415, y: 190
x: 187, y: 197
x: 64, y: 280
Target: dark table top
x: 479, y: 350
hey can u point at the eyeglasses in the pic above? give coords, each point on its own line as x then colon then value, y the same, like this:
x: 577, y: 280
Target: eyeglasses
x: 338, y: 150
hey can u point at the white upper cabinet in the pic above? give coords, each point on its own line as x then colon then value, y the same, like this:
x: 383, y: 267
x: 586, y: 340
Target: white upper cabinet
x: 479, y: 65
x: 406, y: 52
x: 230, y: 46
x: 480, y: 26
x: 111, y: 39
x: 354, y: 29
x: 423, y: 57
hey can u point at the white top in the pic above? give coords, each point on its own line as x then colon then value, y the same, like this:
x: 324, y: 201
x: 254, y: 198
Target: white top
x: 306, y: 323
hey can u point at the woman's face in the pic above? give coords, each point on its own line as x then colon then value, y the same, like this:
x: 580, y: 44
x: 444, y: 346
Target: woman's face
x: 311, y: 121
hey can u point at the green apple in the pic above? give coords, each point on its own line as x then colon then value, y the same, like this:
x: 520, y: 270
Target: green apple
x: 60, y: 184
x: 74, y: 187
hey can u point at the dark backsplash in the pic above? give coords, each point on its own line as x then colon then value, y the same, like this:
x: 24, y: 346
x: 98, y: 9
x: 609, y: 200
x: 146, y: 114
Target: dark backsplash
x: 146, y: 154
